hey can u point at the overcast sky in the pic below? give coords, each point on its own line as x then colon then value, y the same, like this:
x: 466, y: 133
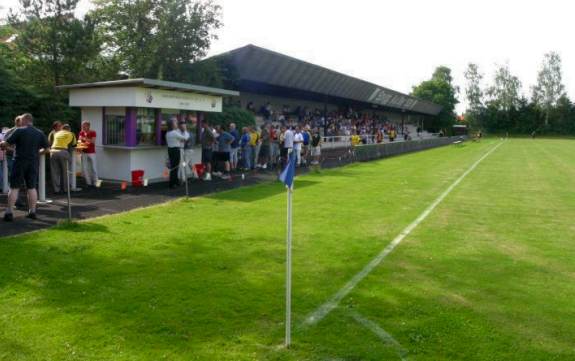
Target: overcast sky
x: 397, y: 44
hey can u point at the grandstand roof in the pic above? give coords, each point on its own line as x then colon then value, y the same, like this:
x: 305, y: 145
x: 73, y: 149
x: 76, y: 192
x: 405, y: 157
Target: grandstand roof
x: 256, y: 64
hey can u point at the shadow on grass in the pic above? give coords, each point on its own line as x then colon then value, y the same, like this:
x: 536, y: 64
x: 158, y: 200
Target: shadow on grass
x: 163, y: 297
x: 253, y: 194
x: 74, y: 226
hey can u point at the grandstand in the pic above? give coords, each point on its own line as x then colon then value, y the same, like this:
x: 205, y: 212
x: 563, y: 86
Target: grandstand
x: 272, y: 82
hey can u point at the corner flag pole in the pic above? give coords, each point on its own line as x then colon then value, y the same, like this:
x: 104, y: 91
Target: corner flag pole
x: 288, y: 267
x: 287, y: 178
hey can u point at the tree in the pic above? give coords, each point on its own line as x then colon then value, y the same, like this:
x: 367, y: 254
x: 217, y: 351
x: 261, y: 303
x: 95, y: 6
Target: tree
x: 505, y: 92
x: 473, y: 94
x: 158, y: 38
x: 57, y: 48
x: 549, y: 88
x: 440, y: 90
x: 241, y: 117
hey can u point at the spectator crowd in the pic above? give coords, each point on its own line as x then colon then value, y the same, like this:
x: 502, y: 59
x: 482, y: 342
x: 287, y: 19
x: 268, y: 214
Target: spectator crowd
x: 224, y: 149
x: 21, y: 147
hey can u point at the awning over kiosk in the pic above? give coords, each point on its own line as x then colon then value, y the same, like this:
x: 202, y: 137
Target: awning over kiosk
x: 147, y: 93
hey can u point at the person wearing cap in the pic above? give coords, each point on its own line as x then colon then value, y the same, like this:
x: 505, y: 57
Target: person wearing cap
x: 89, y: 167
x: 175, y: 139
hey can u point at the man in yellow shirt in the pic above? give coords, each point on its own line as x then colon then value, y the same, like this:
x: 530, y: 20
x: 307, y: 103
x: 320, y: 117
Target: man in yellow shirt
x: 64, y: 141
x: 355, y: 139
x: 254, y: 139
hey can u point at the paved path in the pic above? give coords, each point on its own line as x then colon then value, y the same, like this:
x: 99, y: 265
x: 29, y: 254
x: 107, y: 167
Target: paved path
x: 111, y: 199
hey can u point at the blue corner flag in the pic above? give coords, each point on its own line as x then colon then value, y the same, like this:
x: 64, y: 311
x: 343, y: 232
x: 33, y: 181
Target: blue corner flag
x: 289, y: 172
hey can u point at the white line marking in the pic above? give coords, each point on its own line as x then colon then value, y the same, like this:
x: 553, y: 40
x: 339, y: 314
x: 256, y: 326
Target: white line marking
x: 381, y: 333
x: 332, y: 303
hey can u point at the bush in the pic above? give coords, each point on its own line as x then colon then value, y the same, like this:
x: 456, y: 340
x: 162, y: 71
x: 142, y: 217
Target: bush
x: 241, y: 117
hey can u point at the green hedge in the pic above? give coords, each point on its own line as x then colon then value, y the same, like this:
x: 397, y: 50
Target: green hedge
x: 241, y: 117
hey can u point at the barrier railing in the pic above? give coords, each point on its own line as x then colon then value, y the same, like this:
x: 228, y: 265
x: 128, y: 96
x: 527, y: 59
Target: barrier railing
x: 42, y: 180
x: 344, y: 155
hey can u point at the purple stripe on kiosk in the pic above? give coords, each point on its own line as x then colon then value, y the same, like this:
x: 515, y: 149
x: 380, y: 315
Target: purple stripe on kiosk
x: 131, y: 125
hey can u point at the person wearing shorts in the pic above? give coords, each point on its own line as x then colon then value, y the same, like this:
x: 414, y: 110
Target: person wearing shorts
x: 207, y: 140
x: 28, y: 142
x: 235, y: 146
x: 265, y: 139
x: 225, y: 140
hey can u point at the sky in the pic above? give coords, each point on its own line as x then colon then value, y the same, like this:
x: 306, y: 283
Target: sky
x: 398, y: 44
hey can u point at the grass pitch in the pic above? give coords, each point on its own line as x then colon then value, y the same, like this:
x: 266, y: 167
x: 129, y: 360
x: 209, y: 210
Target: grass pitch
x: 489, y: 275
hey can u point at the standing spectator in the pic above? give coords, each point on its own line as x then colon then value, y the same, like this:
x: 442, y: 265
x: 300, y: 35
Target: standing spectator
x: 254, y: 140
x: 9, y: 151
x: 246, y: 149
x: 274, y: 146
x: 234, y: 147
x: 56, y: 127
x: 306, y: 144
x: 207, y: 139
x: 297, y: 144
x: 28, y: 142
x: 265, y: 139
x: 63, y: 140
x: 3, y: 158
x: 379, y: 135
x: 87, y: 137
x: 188, y: 171
x: 187, y: 137
x: 225, y: 140
x: 175, y: 139
x: 392, y: 134
x: 288, y: 143
x: 316, y: 146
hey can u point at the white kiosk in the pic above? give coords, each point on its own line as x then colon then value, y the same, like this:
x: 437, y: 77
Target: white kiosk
x: 131, y: 118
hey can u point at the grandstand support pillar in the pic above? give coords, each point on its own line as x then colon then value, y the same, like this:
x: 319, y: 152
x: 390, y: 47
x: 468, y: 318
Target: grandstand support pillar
x: 403, y: 121
x: 325, y: 115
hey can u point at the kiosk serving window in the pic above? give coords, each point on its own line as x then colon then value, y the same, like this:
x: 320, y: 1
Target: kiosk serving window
x: 146, y: 126
x: 115, y: 126
x: 167, y: 115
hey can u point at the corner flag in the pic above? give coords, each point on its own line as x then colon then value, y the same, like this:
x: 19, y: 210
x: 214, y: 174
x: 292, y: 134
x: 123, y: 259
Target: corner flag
x: 288, y: 174
x: 287, y: 177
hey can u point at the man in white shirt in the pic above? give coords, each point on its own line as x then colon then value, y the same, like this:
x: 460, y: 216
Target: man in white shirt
x: 288, y: 137
x: 297, y: 144
x: 175, y: 139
